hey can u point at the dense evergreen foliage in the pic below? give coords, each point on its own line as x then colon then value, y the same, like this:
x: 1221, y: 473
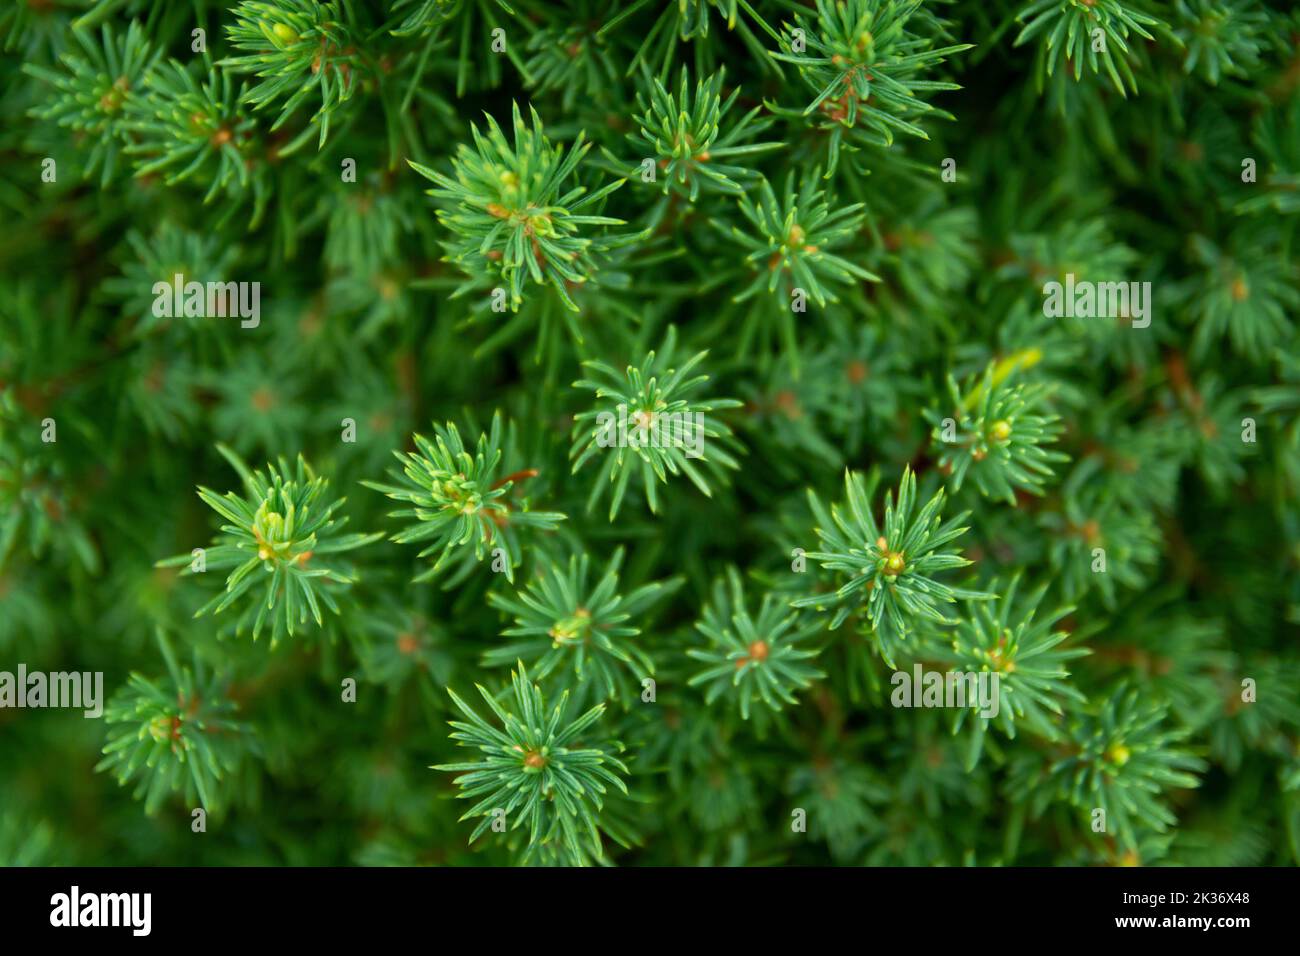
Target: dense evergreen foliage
x: 631, y: 397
